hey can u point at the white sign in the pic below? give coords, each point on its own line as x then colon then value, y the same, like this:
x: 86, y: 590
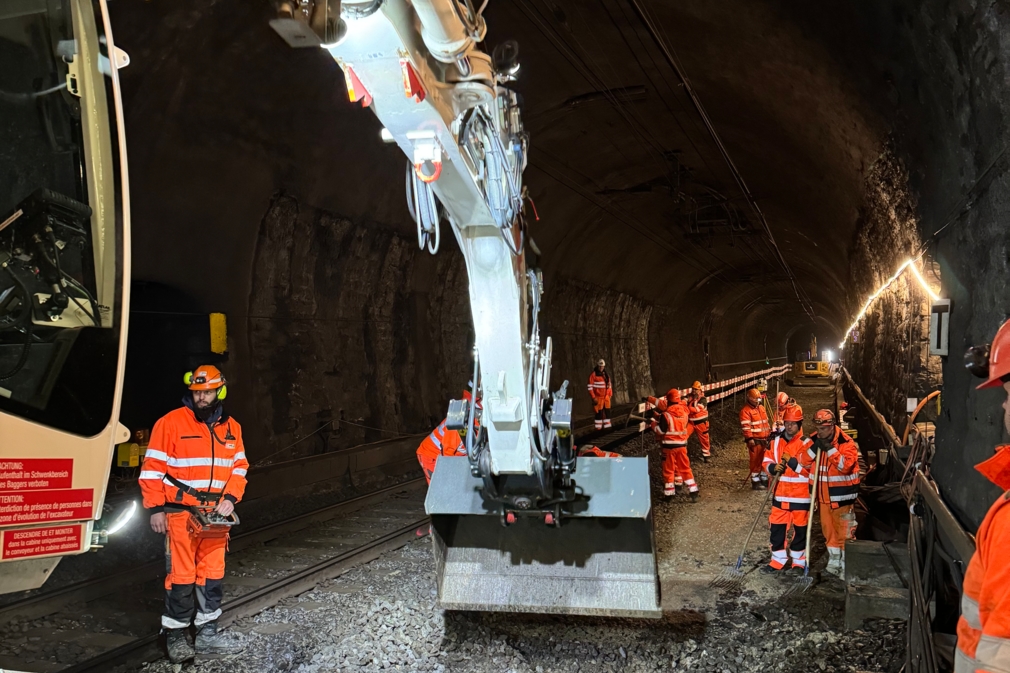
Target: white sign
x: 939, y: 327
x: 911, y: 403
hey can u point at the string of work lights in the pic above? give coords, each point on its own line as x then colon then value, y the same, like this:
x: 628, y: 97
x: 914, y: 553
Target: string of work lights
x: 909, y: 264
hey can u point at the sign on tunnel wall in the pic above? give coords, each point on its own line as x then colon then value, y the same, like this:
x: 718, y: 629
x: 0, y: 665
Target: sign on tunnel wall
x: 939, y: 327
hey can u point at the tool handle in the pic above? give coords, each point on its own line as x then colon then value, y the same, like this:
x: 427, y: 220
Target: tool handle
x: 813, y: 508
x: 771, y: 490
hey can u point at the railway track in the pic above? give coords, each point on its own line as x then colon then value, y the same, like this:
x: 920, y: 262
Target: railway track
x: 110, y: 621
x: 113, y: 621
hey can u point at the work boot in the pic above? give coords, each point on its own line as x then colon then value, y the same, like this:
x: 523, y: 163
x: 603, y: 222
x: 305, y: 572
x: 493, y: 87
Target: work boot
x: 769, y: 570
x: 705, y: 457
x: 177, y: 645
x: 756, y: 486
x: 835, y: 565
x: 694, y: 497
x: 210, y: 641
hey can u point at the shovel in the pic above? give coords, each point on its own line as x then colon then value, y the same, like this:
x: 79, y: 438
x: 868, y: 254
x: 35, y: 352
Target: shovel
x: 732, y: 576
x: 805, y: 582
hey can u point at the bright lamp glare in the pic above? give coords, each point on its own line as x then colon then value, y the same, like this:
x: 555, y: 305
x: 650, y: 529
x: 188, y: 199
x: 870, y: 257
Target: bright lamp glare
x: 873, y: 297
x: 124, y: 518
x: 828, y: 356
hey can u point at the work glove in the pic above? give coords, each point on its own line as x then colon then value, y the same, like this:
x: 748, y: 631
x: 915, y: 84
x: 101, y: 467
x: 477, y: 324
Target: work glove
x: 777, y: 469
x: 751, y: 443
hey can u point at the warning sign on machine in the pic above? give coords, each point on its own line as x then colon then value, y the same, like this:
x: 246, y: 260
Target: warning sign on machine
x: 36, y: 474
x: 25, y: 542
x: 22, y: 507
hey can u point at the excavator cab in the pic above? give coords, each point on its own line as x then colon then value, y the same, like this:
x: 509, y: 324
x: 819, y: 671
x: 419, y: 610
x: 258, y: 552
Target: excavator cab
x: 64, y: 279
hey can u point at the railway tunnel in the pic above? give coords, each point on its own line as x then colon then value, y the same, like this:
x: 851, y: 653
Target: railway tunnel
x: 715, y: 184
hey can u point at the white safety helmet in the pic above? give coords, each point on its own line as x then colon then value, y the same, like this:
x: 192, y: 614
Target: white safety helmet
x: 601, y: 363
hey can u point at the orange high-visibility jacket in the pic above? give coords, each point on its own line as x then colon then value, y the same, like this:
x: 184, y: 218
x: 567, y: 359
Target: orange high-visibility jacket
x: 839, y: 471
x: 205, y: 460
x: 793, y: 489
x: 599, y: 385
x: 754, y: 422
x: 697, y: 410
x: 442, y: 442
x: 672, y: 427
x: 983, y: 630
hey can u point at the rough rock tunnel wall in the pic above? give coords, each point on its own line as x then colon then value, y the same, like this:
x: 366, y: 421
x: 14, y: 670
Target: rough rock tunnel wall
x: 353, y: 323
x: 888, y: 353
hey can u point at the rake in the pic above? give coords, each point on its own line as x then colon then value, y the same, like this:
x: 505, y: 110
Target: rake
x: 732, y: 576
x: 803, y: 583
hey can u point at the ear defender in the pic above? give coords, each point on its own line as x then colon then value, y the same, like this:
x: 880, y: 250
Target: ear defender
x: 222, y: 392
x: 187, y: 378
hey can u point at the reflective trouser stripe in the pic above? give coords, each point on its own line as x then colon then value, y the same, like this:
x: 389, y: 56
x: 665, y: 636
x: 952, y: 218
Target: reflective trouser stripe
x: 169, y: 623
x: 203, y: 618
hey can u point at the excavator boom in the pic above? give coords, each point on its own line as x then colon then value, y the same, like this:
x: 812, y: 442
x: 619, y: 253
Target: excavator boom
x: 521, y: 523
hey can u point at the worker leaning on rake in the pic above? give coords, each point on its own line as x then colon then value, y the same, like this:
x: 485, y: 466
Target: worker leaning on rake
x: 789, y: 458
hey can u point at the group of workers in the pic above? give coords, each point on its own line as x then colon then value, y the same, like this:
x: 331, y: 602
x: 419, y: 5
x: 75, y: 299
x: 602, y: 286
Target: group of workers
x: 196, y: 461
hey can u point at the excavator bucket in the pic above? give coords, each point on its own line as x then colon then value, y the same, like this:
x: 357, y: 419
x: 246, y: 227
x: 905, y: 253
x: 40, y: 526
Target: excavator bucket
x: 600, y: 561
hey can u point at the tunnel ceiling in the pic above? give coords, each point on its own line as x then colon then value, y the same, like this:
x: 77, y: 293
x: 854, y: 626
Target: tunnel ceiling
x: 630, y: 188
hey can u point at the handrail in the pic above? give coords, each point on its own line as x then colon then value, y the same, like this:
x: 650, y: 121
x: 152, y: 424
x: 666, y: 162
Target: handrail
x: 927, y: 398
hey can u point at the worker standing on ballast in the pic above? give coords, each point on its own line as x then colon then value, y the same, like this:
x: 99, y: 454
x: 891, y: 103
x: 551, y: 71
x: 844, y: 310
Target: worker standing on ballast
x: 601, y: 391
x: 983, y: 629
x: 671, y: 426
x: 756, y: 430
x: 697, y: 410
x: 838, y: 487
x: 195, y: 460
x: 789, y: 457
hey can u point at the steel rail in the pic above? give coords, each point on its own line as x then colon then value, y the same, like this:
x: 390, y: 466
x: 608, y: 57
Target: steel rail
x: 53, y: 601
x: 146, y: 649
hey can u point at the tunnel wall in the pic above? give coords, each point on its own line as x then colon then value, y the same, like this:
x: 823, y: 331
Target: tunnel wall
x: 352, y: 322
x: 888, y: 352
x: 587, y: 322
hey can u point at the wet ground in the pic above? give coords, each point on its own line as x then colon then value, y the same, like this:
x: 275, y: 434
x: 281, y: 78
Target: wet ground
x: 382, y: 616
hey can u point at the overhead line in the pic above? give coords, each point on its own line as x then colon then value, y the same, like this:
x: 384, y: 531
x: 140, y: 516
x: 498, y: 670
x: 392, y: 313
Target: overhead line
x: 737, y: 176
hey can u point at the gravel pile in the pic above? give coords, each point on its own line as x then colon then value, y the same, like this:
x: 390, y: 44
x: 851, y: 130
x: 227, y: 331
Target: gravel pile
x: 382, y: 616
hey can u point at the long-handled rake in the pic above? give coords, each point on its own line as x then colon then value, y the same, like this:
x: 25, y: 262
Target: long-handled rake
x: 732, y: 576
x: 803, y: 583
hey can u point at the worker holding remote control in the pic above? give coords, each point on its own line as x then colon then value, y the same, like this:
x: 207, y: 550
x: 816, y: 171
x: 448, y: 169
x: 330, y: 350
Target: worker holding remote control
x: 193, y: 475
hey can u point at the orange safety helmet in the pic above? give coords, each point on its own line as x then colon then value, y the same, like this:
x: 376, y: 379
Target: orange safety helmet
x: 673, y: 396
x: 782, y: 400
x: 696, y: 385
x: 753, y: 395
x: 824, y: 417
x: 207, y: 377
x: 793, y: 414
x: 993, y: 363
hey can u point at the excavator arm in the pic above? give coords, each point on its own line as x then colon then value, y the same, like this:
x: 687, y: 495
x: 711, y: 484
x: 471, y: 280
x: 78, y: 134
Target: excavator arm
x: 520, y: 524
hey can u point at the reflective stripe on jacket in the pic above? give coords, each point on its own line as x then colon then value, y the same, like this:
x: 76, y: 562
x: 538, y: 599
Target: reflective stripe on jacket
x: 672, y: 427
x: 443, y: 442
x: 793, y: 488
x: 697, y: 410
x: 839, y: 471
x: 983, y: 630
x: 754, y: 422
x: 206, y: 458
x: 599, y: 385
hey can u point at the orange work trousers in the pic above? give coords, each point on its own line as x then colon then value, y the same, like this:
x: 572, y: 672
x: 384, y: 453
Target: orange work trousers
x: 838, y: 524
x: 779, y: 523
x: 702, y: 430
x: 677, y: 468
x: 195, y: 570
x: 757, y: 456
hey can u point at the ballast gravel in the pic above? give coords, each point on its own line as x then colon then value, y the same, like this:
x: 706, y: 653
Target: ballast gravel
x: 382, y: 616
